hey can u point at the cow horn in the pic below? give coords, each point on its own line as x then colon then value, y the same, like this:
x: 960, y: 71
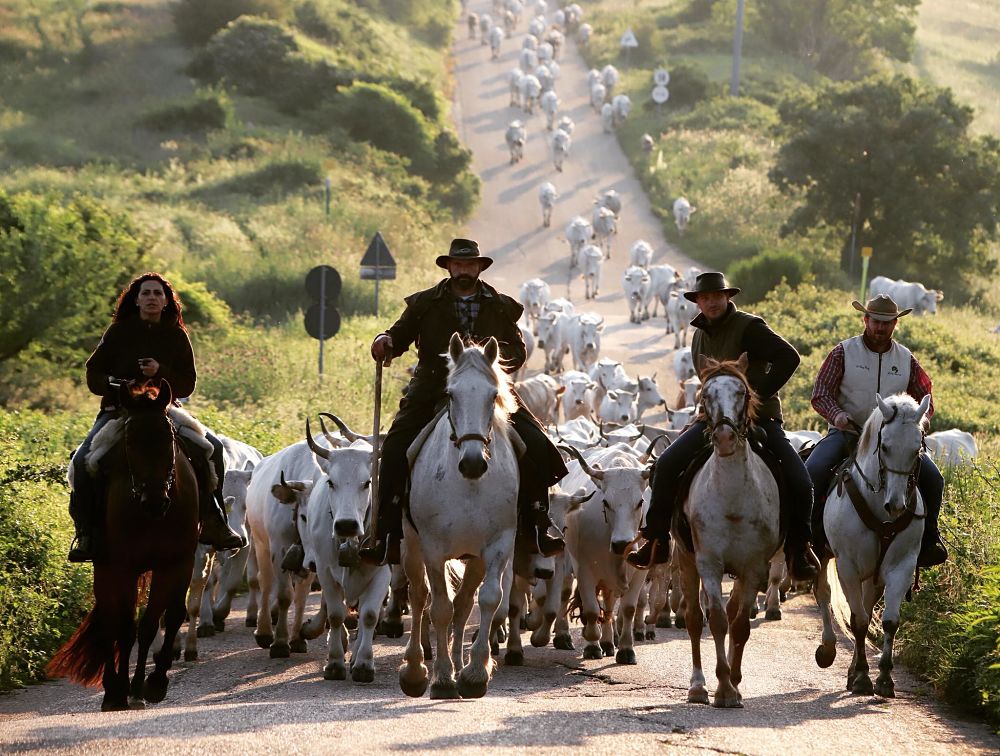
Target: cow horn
x: 284, y: 483
x: 642, y: 431
x: 595, y: 474
x: 334, y: 441
x: 650, y: 456
x: 348, y: 433
x: 318, y: 450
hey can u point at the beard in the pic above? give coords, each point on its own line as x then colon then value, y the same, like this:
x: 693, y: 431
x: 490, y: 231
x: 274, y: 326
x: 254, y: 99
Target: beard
x: 465, y: 281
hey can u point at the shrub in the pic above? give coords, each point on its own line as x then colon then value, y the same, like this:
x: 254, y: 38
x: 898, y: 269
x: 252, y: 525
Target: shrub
x: 251, y: 54
x: 689, y: 85
x: 729, y: 113
x: 211, y: 109
x: 201, y: 307
x: 274, y: 179
x: 759, y: 275
x: 198, y: 20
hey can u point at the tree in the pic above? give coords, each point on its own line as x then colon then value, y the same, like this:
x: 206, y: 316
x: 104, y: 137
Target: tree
x: 840, y: 37
x: 930, y: 192
x: 61, y: 266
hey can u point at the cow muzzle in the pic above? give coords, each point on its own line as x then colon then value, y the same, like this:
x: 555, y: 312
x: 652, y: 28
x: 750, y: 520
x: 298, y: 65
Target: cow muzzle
x: 347, y: 528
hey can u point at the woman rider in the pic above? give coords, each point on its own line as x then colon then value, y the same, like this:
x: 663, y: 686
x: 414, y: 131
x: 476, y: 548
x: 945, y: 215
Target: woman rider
x: 146, y: 339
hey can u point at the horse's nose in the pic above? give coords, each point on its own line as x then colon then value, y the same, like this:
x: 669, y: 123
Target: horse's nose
x: 541, y: 343
x: 346, y: 528
x: 472, y: 466
x: 618, y: 547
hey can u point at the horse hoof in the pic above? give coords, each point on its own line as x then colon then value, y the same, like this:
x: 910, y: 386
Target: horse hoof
x: 444, y: 690
x: 563, y: 642
x: 335, y: 671
x: 190, y: 655
x: 639, y: 635
x: 862, y: 686
x: 414, y: 689
x: 264, y: 641
x: 680, y: 624
x: 514, y: 658
x: 753, y: 610
x: 885, y: 689
x: 698, y: 696
x: 362, y: 674
x: 593, y: 652
x: 471, y: 689
x: 219, y: 625
x: 494, y: 648
x: 250, y: 621
x: 154, y: 689
x: 650, y: 635
x: 391, y: 628
x: 663, y: 621
x: 825, y: 655
x: 298, y: 646
x: 136, y: 704
x: 608, y: 648
x: 274, y: 616
x: 772, y: 614
x: 280, y: 651
x: 114, y: 703
x: 205, y: 631
x: 625, y: 656
x: 501, y: 634
x: 539, y: 641
x: 727, y: 702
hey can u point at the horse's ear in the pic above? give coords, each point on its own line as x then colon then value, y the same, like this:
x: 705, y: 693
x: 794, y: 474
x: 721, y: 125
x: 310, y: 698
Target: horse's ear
x: 455, y: 347
x: 743, y: 362
x: 492, y: 350
x: 925, y: 404
x: 883, y: 407
x: 165, y: 394
x: 703, y: 363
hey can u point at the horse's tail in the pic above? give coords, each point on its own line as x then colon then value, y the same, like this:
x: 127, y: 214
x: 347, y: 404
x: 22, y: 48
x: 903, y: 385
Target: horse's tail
x: 82, y: 657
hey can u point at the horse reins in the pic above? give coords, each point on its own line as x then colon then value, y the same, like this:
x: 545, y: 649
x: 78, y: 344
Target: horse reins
x: 138, y: 488
x: 459, y: 440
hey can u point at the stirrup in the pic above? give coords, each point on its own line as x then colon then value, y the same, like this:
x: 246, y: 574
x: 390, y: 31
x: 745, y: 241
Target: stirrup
x: 654, y: 551
x: 81, y: 550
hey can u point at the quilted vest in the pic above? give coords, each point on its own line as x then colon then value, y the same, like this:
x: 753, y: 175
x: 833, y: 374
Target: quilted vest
x: 867, y: 373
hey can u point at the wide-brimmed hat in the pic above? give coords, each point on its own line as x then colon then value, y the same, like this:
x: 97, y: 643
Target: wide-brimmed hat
x: 706, y: 282
x: 464, y: 249
x: 882, y: 307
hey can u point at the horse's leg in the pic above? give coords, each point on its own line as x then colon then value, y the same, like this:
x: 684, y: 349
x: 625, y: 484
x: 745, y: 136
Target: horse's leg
x: 114, y: 599
x: 412, y: 672
x: 693, y: 619
x: 858, y: 681
x: 155, y: 688
x: 826, y: 652
x: 369, y: 604
x: 149, y: 626
x: 775, y: 574
x: 726, y: 695
x: 497, y: 635
x: 391, y: 625
x: 465, y: 598
x: 518, y: 603
x: 300, y: 592
x: 741, y: 600
x: 589, y: 612
x: 442, y: 613
x: 336, y: 613
x: 474, y: 678
x: 897, y: 583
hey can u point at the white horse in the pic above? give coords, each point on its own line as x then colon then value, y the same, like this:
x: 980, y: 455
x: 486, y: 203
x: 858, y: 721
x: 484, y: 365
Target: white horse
x: 733, y: 513
x: 874, y: 521
x: 466, y: 464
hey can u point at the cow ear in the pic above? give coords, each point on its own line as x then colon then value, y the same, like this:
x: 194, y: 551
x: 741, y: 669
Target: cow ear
x: 939, y: 295
x: 455, y: 347
x: 492, y: 350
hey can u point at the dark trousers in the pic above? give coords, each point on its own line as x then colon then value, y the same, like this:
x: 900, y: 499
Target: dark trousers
x: 83, y: 497
x: 412, y: 417
x: 832, y: 450
x: 671, y: 465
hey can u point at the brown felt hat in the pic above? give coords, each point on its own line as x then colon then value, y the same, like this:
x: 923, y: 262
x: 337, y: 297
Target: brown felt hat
x: 464, y: 249
x: 882, y: 308
x: 707, y: 282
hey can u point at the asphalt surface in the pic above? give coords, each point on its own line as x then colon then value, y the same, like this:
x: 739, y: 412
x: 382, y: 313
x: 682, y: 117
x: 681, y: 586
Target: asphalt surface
x: 235, y: 699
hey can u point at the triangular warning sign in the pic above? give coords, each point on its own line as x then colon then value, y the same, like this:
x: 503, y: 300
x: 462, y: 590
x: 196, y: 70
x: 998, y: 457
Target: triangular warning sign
x: 628, y: 39
x: 378, y: 254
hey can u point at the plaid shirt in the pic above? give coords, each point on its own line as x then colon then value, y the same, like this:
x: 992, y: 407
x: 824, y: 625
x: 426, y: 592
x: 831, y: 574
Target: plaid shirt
x: 467, y: 310
x: 827, y: 386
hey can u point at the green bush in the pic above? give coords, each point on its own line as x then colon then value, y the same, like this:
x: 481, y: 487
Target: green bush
x: 251, y: 54
x: 198, y: 20
x: 689, y: 85
x: 210, y: 109
x: 274, y: 179
x: 201, y: 307
x: 729, y: 113
x: 762, y: 273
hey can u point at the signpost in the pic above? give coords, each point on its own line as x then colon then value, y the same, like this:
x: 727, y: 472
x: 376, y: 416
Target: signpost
x: 322, y: 320
x: 866, y: 256
x: 660, y: 94
x: 378, y: 264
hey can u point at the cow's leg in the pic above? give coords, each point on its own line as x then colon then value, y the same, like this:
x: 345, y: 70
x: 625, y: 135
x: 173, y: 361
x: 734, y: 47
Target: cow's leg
x: 336, y: 613
x: 693, y: 619
x: 369, y: 604
x: 300, y: 592
x: 589, y: 612
x: 442, y: 612
x: 609, y: 633
x: 280, y: 648
x: 562, y: 639
x: 264, y: 634
x: 549, y: 604
x: 253, y: 581
x: 826, y: 652
x: 231, y: 570
x: 631, y: 619
x: 195, y: 599
x: 775, y: 573
x: 412, y: 672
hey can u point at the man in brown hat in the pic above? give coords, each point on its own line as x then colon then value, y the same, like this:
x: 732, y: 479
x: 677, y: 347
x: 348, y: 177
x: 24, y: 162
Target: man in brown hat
x: 724, y: 332
x: 476, y: 310
x: 844, y: 395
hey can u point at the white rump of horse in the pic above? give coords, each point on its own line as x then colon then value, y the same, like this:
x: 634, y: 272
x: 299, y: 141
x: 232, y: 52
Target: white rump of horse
x: 463, y: 504
x: 874, y: 521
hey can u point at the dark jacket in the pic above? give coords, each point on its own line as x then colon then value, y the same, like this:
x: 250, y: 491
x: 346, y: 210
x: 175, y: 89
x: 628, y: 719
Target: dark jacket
x: 429, y: 320
x: 126, y: 341
x: 772, y: 359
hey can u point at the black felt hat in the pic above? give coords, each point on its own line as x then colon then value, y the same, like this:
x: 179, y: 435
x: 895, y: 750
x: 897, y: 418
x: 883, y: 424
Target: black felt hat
x: 706, y: 282
x: 464, y: 249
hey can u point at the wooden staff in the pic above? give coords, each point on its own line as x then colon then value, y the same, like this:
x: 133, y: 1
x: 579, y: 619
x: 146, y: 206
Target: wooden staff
x: 376, y: 443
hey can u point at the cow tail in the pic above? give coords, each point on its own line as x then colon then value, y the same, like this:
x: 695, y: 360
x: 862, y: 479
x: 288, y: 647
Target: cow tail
x: 82, y: 657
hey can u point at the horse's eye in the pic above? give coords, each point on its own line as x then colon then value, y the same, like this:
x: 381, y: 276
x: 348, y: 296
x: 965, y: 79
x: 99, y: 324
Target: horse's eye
x: 330, y: 483
x: 368, y: 483
x: 885, y: 449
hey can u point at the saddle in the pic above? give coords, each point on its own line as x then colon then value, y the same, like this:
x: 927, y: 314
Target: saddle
x: 819, y: 541
x: 756, y: 438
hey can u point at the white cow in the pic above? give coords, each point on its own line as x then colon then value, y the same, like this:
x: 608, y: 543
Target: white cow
x: 689, y: 389
x: 585, y: 339
x: 515, y: 136
x: 952, y: 447
x: 649, y: 396
x: 591, y: 261
x: 593, y: 77
x: 527, y: 59
x: 529, y: 43
x: 618, y: 407
x: 559, y: 304
x: 609, y: 78
x: 566, y: 124
x: 800, y: 438
x: 907, y: 294
x: 607, y: 118
x: 578, y: 233
x: 543, y: 72
x: 555, y: 330
x: 529, y: 347
x: 679, y: 418
x: 561, y: 142
x: 683, y: 364
x: 636, y: 284
x: 663, y: 279
x: 556, y: 39
x: 550, y: 106
x: 534, y: 295
x: 485, y: 24
x: 514, y: 82
x: 541, y: 395
x: 531, y: 88
x: 546, y: 51
x: 583, y: 34
x: 496, y: 38
x: 605, y: 227
x: 610, y: 199
x: 646, y: 143
x: 680, y: 312
x: 691, y: 276
x: 682, y: 213
x: 621, y: 107
x: 547, y: 196
x: 597, y: 94
x: 473, y: 22
x: 578, y: 398
x: 536, y: 27
x: 641, y: 254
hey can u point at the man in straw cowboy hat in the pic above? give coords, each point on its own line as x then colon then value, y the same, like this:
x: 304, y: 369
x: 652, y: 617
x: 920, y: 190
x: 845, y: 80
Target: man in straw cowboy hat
x: 476, y: 310
x: 724, y: 332
x: 844, y: 394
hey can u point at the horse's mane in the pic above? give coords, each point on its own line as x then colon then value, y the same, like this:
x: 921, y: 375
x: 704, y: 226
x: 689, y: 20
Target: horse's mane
x: 908, y: 410
x: 715, y: 368
x: 147, y: 391
x: 474, y: 359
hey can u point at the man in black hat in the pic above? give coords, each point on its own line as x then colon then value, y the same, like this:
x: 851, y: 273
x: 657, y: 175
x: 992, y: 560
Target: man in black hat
x: 844, y: 395
x: 477, y: 311
x: 724, y: 332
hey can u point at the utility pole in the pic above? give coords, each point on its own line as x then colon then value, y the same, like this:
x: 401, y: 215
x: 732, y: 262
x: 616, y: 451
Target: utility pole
x: 734, y: 81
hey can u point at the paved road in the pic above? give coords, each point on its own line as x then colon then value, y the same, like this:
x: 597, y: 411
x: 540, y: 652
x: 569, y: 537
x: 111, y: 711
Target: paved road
x: 236, y: 699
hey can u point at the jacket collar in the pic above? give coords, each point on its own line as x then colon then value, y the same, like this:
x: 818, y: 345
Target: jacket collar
x: 443, y: 289
x: 712, y: 328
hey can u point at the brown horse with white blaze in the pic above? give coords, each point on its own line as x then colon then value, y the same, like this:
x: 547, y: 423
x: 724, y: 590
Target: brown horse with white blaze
x: 150, y: 504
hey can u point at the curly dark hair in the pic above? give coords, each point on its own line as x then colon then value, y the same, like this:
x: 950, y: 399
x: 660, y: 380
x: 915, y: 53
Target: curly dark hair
x: 128, y: 301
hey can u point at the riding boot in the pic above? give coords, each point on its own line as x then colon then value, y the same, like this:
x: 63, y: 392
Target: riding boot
x: 656, y: 549
x: 215, y: 530
x: 932, y: 551
x: 539, y: 530
x: 385, y: 545
x: 82, y: 548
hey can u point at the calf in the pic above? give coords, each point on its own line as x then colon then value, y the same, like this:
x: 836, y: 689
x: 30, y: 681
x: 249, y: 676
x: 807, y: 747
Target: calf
x: 641, y: 254
x: 682, y: 214
x: 555, y: 329
x: 534, y: 295
x: 578, y: 397
x: 618, y: 407
x: 591, y: 261
x: 636, y: 285
x: 680, y: 311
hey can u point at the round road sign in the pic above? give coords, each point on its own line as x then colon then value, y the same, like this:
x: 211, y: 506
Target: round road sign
x: 660, y: 94
x: 333, y: 282
x: 661, y: 77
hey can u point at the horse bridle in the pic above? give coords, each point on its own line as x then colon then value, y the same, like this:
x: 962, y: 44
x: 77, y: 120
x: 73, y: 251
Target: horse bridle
x: 739, y: 429
x: 138, y: 488
x: 883, y: 468
x: 459, y: 440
